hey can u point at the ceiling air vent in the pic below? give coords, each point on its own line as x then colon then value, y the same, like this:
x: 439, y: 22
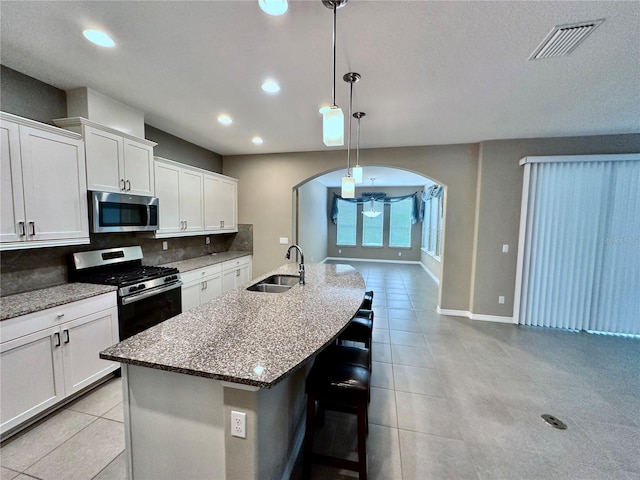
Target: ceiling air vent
x: 562, y: 39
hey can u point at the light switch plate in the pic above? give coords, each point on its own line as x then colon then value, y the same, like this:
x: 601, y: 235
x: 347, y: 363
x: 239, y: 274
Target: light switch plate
x: 284, y: 241
x: 505, y: 248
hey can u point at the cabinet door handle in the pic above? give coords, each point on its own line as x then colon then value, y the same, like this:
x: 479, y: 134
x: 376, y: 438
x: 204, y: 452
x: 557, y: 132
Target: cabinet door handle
x: 201, y: 285
x: 128, y: 184
x: 56, y: 337
x: 221, y: 223
x: 238, y: 273
x: 186, y: 224
x: 67, y: 338
x: 122, y: 184
x: 206, y: 285
x: 21, y: 229
x: 32, y: 225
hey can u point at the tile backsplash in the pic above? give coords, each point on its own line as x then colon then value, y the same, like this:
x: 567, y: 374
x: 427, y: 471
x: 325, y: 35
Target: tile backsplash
x: 32, y: 269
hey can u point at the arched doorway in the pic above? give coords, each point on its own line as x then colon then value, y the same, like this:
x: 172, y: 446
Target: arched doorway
x: 316, y: 233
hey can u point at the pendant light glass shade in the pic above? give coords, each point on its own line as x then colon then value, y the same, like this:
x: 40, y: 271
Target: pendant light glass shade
x: 371, y: 213
x: 357, y: 173
x: 333, y: 126
x: 348, y: 187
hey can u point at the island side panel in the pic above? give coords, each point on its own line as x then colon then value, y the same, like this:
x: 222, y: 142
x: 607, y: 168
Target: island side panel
x: 174, y: 425
x: 274, y: 428
x: 281, y: 415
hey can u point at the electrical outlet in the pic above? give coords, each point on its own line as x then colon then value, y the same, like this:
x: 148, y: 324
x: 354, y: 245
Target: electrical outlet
x: 399, y: 254
x: 207, y: 240
x: 165, y: 245
x: 284, y: 240
x: 501, y: 299
x: 339, y: 251
x: 505, y: 248
x: 238, y: 424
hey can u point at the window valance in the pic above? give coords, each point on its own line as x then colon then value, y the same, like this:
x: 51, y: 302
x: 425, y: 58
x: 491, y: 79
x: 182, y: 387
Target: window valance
x: 417, y: 209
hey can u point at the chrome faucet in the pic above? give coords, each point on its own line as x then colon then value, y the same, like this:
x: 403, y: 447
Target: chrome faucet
x: 301, y: 265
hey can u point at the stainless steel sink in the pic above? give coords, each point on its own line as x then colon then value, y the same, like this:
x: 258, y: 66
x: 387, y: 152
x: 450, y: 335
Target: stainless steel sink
x: 275, y: 284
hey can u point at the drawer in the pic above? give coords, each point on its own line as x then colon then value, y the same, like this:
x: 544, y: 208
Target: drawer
x: 13, y: 328
x: 238, y: 262
x: 200, y: 273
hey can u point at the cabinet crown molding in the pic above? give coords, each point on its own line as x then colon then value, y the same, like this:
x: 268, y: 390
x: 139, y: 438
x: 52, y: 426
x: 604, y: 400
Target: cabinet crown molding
x: 27, y: 122
x: 77, y: 121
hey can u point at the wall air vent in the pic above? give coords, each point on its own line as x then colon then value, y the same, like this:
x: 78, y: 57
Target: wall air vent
x: 563, y: 39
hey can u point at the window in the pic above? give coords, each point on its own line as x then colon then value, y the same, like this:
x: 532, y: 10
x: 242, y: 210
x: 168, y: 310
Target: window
x: 432, y: 226
x: 372, y: 226
x: 400, y: 224
x: 347, y: 220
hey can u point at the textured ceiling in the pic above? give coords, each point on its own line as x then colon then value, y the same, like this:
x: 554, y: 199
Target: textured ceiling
x: 432, y: 72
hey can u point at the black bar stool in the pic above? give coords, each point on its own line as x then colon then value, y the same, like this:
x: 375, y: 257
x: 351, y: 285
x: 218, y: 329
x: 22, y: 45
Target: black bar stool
x: 367, y: 302
x: 338, y: 385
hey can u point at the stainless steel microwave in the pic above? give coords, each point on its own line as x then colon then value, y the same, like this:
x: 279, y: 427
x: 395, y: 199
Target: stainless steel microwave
x: 121, y: 212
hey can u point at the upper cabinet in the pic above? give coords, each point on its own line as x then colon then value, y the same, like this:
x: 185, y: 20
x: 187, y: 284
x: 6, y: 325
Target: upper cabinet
x: 116, y: 161
x: 220, y: 203
x: 43, y: 181
x: 194, y: 201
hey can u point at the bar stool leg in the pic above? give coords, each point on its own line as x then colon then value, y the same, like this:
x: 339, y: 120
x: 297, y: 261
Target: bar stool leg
x: 362, y: 441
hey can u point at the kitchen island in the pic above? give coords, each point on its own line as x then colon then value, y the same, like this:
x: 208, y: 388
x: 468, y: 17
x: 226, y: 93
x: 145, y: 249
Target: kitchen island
x: 245, y: 351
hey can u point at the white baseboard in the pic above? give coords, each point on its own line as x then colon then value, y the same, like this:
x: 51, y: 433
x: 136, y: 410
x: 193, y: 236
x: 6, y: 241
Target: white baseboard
x: 434, y: 278
x: 474, y: 316
x: 412, y: 262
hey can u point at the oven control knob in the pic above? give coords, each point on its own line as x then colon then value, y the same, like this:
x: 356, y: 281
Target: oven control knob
x: 170, y: 278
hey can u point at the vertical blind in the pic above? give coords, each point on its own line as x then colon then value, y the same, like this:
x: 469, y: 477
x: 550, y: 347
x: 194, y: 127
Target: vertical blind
x: 581, y: 254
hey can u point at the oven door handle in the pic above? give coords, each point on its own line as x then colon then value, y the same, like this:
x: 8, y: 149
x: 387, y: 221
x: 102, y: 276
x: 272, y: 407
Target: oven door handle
x: 149, y: 293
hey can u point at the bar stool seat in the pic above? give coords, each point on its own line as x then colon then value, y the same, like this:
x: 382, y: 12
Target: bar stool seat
x: 342, y: 385
x: 367, y: 302
x: 360, y: 329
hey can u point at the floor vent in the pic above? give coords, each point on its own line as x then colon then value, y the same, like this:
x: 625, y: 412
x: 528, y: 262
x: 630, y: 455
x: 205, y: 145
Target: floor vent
x: 554, y: 422
x: 563, y: 39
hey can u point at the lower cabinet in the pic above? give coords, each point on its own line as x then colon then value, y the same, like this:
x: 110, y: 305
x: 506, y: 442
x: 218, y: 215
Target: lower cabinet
x: 204, y: 284
x: 47, y: 356
x: 235, y: 273
x: 200, y: 286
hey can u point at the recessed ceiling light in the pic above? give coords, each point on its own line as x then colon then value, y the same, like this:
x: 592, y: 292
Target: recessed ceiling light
x: 99, y: 38
x: 270, y: 86
x: 274, y: 7
x: 225, y: 119
x: 257, y: 140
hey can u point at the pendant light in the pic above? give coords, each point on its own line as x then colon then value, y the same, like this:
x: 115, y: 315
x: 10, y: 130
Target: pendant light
x: 332, y: 117
x: 348, y: 182
x: 371, y: 213
x: 357, y: 170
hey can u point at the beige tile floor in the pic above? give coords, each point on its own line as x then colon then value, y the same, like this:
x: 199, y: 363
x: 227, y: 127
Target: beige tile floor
x: 451, y: 399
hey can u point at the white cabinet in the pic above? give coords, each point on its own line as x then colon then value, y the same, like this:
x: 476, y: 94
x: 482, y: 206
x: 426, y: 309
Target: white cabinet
x: 116, y: 162
x: 44, y: 190
x: 180, y: 193
x: 47, y: 356
x: 236, y: 273
x: 200, y: 286
x: 220, y: 203
x: 194, y: 201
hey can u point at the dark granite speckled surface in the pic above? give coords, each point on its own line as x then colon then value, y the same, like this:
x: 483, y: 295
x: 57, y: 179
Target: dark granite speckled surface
x: 30, y: 302
x: 251, y: 338
x: 205, y: 261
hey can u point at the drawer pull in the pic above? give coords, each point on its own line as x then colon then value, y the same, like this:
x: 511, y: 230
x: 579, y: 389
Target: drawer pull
x: 60, y: 315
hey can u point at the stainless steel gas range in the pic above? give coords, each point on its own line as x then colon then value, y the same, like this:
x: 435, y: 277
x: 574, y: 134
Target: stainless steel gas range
x: 147, y: 295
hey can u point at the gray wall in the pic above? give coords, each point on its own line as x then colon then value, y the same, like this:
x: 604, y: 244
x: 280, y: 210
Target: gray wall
x: 174, y: 148
x: 377, y: 253
x: 312, y: 221
x: 30, y: 98
x: 498, y: 209
x: 265, y: 200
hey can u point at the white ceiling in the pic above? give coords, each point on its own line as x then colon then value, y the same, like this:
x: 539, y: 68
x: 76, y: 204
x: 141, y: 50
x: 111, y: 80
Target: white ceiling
x: 432, y: 72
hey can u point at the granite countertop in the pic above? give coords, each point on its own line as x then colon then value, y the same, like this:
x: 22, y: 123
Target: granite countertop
x: 205, y: 261
x: 252, y: 338
x: 37, y: 300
